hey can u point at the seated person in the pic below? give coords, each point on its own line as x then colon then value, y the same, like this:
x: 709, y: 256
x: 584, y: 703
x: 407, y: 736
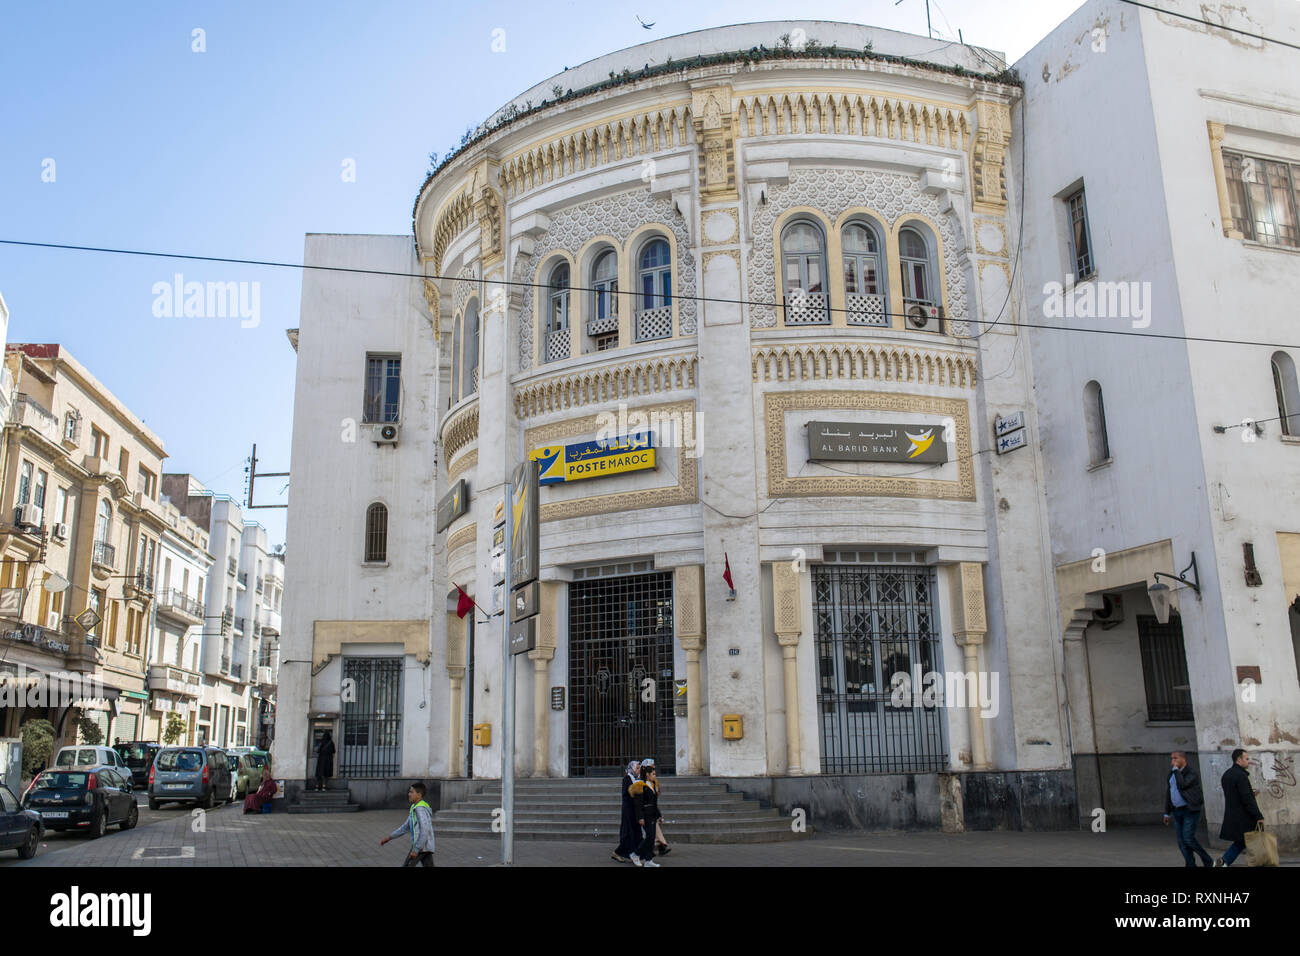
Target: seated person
x: 254, y: 801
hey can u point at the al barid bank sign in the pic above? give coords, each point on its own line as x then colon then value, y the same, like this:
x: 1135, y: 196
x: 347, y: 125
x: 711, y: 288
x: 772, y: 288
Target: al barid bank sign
x: 634, y: 451
x: 875, y: 441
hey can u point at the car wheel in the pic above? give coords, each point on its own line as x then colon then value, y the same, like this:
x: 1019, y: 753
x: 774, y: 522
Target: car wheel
x: 28, y: 849
x: 99, y: 825
x: 209, y: 801
x: 132, y: 818
x: 154, y: 804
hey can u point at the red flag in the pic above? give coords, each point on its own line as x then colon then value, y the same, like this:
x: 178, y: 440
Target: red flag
x: 464, y: 603
x: 726, y: 572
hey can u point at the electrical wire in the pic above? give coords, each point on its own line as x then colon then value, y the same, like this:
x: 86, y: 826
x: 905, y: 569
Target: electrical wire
x: 694, y: 298
x: 1216, y: 26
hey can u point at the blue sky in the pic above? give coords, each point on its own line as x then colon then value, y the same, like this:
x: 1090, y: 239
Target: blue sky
x: 238, y: 151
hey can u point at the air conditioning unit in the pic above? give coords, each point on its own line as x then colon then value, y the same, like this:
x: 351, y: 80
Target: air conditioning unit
x: 922, y: 316
x: 60, y: 531
x: 264, y: 675
x: 1111, y: 613
x: 387, y: 433
x: 28, y: 515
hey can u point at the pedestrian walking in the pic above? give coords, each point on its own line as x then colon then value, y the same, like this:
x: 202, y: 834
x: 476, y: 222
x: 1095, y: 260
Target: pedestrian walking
x: 629, y: 834
x: 645, y: 796
x: 324, y: 761
x: 1240, y: 808
x: 1184, y: 801
x: 419, y: 824
x: 661, y: 844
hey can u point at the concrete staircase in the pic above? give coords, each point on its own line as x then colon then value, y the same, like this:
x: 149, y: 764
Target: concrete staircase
x: 695, y: 810
x: 337, y: 799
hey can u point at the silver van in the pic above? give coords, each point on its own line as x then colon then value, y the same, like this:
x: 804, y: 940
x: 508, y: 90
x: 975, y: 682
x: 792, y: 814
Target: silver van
x: 199, y: 775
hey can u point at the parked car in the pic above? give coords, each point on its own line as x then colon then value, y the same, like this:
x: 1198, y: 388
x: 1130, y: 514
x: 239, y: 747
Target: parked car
x: 198, y: 775
x: 20, y: 829
x: 250, y: 771
x: 85, y: 755
x: 89, y: 798
x: 138, y: 757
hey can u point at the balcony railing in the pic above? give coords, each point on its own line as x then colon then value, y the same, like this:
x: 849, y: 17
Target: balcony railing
x: 104, y: 554
x: 865, y: 308
x: 260, y: 583
x: 225, y: 665
x: 806, y: 308
x: 239, y: 624
x: 32, y: 414
x: 142, y: 582
x: 175, y: 680
x: 237, y: 671
x: 233, y: 565
x: 654, y: 324
x: 557, y: 345
x: 173, y: 599
x: 243, y: 579
x: 602, y: 326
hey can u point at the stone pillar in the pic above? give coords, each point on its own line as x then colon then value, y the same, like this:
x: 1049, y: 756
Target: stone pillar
x: 1078, y: 702
x: 788, y: 624
x: 689, y: 620
x: 456, y: 671
x: 969, y: 626
x: 548, y: 631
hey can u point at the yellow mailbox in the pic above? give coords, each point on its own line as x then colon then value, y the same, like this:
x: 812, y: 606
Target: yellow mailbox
x: 482, y: 735
x: 732, y: 727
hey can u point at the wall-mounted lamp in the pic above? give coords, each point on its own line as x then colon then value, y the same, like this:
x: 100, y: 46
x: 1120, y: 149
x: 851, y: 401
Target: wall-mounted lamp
x: 1159, y: 593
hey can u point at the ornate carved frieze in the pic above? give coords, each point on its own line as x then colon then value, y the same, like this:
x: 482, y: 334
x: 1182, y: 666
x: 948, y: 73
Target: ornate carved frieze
x: 488, y: 211
x: 779, y: 113
x: 989, y: 155
x: 463, y: 464
x: 715, y: 136
x: 466, y: 535
x: 860, y: 361
x: 606, y: 383
x: 459, y: 431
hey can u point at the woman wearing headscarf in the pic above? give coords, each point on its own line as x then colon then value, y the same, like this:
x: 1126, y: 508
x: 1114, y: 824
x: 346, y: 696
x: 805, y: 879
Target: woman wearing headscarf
x: 254, y: 801
x: 324, y: 761
x: 629, y: 834
x: 645, y: 796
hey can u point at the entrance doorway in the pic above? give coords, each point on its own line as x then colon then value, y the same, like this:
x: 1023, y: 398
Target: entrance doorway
x: 372, y: 717
x: 621, y: 674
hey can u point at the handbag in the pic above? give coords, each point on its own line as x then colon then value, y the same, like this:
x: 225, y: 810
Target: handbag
x: 1261, y: 846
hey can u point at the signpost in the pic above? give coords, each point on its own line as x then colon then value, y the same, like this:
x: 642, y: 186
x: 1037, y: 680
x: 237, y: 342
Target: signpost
x: 521, y: 571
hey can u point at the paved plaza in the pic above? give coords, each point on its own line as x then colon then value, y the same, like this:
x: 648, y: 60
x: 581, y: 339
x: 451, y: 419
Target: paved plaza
x: 167, y: 837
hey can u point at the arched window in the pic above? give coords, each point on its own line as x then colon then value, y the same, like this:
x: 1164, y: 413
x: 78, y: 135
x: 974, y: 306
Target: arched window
x: 1094, y: 418
x: 654, y: 283
x: 376, y: 533
x: 803, y: 265
x: 864, y: 292
x: 914, y: 253
x: 1287, y: 390
x: 455, y: 362
x: 556, y: 345
x: 470, y: 376
x: 603, y: 326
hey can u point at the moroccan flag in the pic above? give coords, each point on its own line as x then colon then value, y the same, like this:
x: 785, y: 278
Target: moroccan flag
x: 464, y: 603
x: 726, y: 572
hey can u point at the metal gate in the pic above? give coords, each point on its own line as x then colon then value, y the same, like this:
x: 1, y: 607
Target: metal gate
x: 372, y: 717
x: 873, y: 622
x: 620, y: 636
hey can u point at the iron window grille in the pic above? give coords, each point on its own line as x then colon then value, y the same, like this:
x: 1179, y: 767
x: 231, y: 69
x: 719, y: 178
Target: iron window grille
x: 383, y: 388
x: 621, y: 673
x: 871, y: 623
x: 1264, y: 198
x: 1164, y: 668
x: 376, y: 534
x: 372, y: 718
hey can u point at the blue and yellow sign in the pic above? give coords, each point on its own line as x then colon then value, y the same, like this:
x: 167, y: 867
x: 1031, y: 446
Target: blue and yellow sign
x: 595, y: 459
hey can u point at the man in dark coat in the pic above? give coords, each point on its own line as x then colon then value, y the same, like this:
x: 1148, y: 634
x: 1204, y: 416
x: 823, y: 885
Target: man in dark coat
x: 1184, y: 801
x: 324, y: 761
x: 1240, y: 809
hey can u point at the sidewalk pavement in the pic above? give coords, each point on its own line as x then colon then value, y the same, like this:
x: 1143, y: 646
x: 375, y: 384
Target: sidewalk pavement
x: 352, y: 839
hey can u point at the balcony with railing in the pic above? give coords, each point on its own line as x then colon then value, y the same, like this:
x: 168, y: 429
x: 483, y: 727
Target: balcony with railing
x: 227, y: 618
x: 233, y: 565
x: 270, y: 622
x: 29, y: 413
x: 240, y: 622
x: 865, y: 308
x: 243, y: 580
x: 237, y: 671
x: 140, y: 586
x: 179, y: 605
x: 557, y: 345
x: 807, y: 308
x: 225, y: 665
x: 174, y: 680
x: 103, y: 555
x: 260, y: 584
x: 654, y: 324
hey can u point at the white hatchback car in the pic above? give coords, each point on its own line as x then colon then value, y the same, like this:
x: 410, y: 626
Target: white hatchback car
x: 84, y: 755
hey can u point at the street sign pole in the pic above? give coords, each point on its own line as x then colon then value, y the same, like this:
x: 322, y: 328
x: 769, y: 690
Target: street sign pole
x: 508, y: 720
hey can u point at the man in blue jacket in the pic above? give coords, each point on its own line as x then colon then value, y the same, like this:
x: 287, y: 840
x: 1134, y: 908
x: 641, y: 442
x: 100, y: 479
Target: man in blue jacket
x: 419, y: 823
x: 1184, y: 801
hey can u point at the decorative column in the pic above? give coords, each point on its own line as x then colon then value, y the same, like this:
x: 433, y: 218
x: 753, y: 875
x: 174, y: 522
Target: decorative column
x: 689, y: 619
x: 788, y: 624
x: 969, y: 626
x: 1221, y: 180
x: 456, y: 671
x: 548, y: 628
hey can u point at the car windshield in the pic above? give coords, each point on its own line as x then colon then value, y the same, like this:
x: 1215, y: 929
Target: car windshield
x: 179, y: 760
x: 61, y: 781
x: 255, y: 760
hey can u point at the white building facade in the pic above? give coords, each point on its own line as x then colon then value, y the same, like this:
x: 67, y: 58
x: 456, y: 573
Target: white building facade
x: 783, y: 235
x: 1164, y: 158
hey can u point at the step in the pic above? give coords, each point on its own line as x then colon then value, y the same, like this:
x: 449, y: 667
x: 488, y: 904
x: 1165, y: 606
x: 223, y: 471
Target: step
x: 676, y: 835
x: 341, y: 808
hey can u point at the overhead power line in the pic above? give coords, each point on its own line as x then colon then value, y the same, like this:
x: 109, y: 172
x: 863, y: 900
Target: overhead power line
x: 1169, y: 336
